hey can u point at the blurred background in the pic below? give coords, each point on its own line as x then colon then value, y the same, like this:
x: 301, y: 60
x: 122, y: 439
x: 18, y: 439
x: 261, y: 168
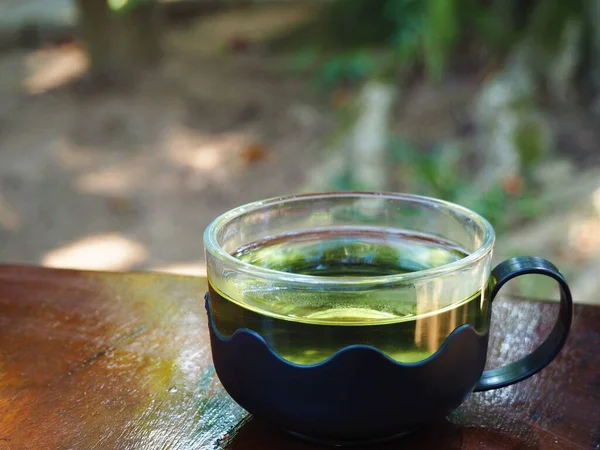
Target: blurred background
x: 126, y: 126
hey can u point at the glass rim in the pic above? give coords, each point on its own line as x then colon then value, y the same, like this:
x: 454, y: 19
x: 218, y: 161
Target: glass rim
x: 213, y: 247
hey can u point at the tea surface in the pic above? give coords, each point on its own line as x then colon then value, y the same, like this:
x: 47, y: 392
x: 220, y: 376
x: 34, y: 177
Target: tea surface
x: 310, y: 332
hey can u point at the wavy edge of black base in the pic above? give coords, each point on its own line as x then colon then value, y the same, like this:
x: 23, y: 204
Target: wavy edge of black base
x: 303, y: 399
x: 240, y: 331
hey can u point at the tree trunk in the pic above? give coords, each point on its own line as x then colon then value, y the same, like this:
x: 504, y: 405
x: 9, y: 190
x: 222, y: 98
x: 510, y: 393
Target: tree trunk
x: 358, y: 157
x: 137, y: 37
x: 122, y: 42
x: 371, y: 135
x: 96, y: 24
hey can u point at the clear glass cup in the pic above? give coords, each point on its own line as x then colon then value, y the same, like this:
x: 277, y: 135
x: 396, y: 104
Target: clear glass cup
x: 307, y: 318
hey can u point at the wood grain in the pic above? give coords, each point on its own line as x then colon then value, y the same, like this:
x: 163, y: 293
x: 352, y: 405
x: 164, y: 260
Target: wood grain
x: 94, y: 360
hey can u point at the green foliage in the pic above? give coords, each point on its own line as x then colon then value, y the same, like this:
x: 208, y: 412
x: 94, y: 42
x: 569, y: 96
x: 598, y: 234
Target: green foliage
x: 408, y: 19
x: 357, y: 23
x: 408, y: 33
x: 124, y: 6
x: 530, y: 140
x: 493, y: 206
x: 441, y: 172
x: 405, y: 33
x: 116, y: 5
x: 487, y: 24
x: 440, y: 34
x: 436, y: 172
x: 549, y: 19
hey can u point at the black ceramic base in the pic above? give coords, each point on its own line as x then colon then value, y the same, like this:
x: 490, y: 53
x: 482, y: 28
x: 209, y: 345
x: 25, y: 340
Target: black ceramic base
x: 347, y: 443
x: 358, y: 395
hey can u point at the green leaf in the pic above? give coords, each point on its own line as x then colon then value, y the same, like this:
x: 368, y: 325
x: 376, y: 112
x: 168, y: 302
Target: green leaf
x: 124, y: 6
x: 440, y: 34
x: 549, y: 19
x: 402, y: 150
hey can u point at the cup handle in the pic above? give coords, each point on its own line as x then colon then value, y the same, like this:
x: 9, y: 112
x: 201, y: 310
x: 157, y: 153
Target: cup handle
x: 547, y: 351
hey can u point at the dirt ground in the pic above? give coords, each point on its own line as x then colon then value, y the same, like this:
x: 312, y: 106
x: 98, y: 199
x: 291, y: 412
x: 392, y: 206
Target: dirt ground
x: 129, y: 179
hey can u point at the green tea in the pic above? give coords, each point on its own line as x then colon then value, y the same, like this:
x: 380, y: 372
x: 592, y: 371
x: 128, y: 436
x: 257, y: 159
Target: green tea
x: 310, y: 332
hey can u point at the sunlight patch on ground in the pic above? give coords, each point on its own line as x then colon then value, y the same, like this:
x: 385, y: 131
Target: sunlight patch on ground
x: 111, y: 181
x: 188, y: 268
x: 74, y: 157
x: 9, y: 218
x: 100, y: 252
x: 206, y: 154
x: 596, y: 200
x: 584, y: 237
x: 202, y: 159
x: 52, y: 68
x: 584, y: 229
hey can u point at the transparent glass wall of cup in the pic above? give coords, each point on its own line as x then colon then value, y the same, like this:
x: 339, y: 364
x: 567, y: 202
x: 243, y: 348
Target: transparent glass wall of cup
x: 307, y: 318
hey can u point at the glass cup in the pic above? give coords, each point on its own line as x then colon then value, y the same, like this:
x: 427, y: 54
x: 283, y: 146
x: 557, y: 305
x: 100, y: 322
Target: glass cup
x: 356, y: 317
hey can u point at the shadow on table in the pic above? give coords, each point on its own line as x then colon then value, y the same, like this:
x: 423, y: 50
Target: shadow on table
x: 254, y: 434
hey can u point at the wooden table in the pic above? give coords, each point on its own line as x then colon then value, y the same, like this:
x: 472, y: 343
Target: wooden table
x: 121, y: 361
